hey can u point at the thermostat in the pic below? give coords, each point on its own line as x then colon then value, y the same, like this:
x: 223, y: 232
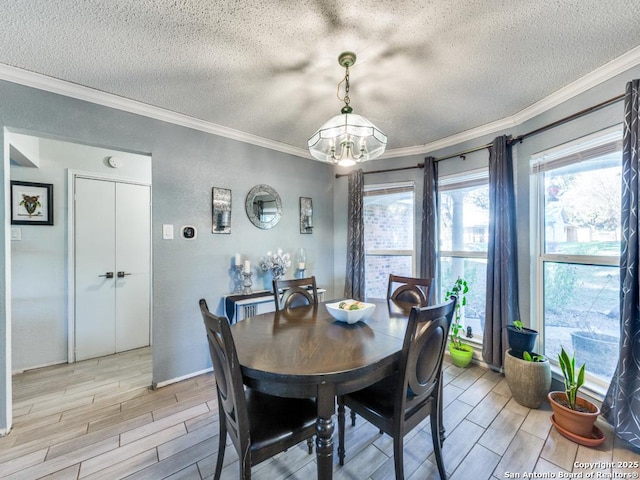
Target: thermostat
x: 189, y: 232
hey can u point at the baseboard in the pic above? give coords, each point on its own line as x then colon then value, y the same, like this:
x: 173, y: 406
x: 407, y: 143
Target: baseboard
x: 155, y: 385
x: 16, y: 372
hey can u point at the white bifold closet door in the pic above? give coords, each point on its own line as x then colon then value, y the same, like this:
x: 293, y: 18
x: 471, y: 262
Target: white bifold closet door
x: 112, y: 266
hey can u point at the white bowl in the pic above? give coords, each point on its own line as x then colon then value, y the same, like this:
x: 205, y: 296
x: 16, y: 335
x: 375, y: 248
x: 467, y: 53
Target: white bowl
x: 350, y: 316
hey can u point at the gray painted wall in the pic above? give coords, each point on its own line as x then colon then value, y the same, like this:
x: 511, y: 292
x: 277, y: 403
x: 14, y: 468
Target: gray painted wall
x: 186, y: 165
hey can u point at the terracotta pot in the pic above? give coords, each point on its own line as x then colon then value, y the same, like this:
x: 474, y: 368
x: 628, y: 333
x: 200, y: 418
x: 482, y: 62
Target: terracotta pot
x: 461, y: 358
x: 529, y: 382
x: 578, y: 423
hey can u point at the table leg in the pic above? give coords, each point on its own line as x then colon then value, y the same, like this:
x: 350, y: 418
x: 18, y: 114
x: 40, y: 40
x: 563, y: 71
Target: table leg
x: 324, y: 434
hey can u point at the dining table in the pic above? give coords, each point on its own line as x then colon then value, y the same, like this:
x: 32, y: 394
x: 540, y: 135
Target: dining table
x: 304, y: 352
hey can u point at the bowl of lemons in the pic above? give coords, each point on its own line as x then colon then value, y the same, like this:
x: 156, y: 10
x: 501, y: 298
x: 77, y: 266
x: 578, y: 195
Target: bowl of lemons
x: 350, y: 311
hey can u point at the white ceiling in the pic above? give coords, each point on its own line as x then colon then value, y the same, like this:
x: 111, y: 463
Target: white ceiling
x: 427, y: 70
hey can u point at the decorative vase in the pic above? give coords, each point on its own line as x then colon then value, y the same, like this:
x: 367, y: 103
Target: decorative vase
x: 529, y: 382
x: 523, y: 340
x: 580, y: 423
x: 461, y: 358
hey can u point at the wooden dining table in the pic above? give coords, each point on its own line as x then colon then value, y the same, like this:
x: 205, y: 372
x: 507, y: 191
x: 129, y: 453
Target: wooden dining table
x: 304, y: 352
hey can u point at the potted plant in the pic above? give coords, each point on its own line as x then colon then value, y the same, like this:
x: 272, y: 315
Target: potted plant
x: 528, y: 376
x: 572, y: 414
x: 461, y: 353
x: 520, y: 338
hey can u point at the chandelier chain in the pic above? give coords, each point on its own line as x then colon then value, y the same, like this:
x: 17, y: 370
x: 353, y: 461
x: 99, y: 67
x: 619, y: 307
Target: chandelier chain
x: 345, y: 80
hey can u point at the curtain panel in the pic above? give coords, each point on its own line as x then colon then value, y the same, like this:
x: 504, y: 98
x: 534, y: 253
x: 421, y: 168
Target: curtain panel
x: 621, y: 406
x: 502, y: 268
x: 354, y: 284
x: 429, y: 242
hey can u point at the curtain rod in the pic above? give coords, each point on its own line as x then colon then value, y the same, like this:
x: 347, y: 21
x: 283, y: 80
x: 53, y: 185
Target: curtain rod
x: 517, y: 139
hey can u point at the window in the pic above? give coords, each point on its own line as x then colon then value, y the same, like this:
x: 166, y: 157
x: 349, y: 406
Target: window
x: 388, y: 212
x: 463, y: 231
x: 578, y: 222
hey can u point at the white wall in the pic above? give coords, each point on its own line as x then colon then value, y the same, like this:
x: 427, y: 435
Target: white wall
x: 39, y: 259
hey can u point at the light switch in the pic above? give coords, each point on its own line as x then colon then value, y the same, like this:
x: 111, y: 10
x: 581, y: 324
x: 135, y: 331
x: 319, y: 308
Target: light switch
x: 16, y: 233
x: 167, y: 232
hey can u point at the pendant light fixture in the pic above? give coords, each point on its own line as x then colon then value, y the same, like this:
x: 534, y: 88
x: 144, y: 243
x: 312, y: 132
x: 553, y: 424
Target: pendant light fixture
x: 347, y: 139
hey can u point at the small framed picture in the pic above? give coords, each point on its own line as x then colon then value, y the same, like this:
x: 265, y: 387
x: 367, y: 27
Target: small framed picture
x: 31, y: 203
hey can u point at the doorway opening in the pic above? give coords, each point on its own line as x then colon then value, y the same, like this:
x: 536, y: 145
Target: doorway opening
x: 40, y: 256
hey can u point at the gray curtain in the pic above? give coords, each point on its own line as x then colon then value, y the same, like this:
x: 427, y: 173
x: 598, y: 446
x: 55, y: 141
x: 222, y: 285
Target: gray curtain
x: 354, y: 284
x: 502, y: 267
x: 429, y: 243
x: 621, y: 406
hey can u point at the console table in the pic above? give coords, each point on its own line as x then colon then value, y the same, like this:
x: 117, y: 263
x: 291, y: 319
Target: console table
x: 238, y: 306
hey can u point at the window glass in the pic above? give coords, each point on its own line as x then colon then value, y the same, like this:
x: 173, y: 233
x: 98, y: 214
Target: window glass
x: 464, y: 219
x: 582, y: 314
x: 474, y: 271
x: 463, y: 235
x: 388, y: 212
x: 582, y: 208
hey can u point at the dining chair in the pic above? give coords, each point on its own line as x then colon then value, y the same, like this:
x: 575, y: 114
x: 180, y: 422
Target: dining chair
x: 398, y: 403
x: 410, y: 290
x: 260, y: 425
x: 295, y: 293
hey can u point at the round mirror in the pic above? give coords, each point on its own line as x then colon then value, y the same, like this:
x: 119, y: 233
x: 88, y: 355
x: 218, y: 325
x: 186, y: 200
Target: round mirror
x: 263, y: 206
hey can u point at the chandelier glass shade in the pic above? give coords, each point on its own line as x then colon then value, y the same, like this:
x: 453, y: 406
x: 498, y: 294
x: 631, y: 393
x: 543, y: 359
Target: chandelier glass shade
x: 347, y: 139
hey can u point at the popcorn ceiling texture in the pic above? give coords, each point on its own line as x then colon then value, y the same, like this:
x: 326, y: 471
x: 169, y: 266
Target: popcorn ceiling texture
x: 425, y: 70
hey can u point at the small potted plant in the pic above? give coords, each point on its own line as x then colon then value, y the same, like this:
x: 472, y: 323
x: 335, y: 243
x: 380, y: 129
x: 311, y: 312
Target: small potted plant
x: 572, y: 415
x: 461, y: 353
x: 520, y: 338
x: 528, y: 376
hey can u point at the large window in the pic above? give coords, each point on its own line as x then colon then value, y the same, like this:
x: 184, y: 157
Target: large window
x: 388, y: 235
x: 463, y: 231
x: 578, y: 220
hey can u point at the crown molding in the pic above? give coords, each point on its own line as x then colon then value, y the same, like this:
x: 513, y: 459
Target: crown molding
x: 80, y: 92
x: 606, y: 72
x: 609, y: 70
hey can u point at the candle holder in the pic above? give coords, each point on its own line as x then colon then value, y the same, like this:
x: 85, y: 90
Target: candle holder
x: 246, y: 282
x: 300, y: 272
x: 238, y: 280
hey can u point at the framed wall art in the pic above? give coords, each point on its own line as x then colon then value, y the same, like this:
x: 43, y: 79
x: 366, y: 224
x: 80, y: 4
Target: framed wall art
x: 306, y: 215
x: 31, y: 203
x: 221, y: 207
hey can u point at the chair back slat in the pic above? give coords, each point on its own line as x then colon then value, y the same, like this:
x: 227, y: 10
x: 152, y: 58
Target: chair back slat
x: 296, y: 293
x: 410, y: 290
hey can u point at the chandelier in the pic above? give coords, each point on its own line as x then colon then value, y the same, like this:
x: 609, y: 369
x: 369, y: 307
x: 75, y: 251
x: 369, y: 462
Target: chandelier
x: 347, y: 139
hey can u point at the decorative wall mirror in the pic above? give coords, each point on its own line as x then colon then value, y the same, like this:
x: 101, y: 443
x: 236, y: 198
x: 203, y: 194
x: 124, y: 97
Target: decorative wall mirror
x: 263, y: 206
x: 306, y: 215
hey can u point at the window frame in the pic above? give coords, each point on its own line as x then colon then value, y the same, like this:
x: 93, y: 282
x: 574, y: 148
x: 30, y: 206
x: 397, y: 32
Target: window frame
x: 592, y: 146
x: 452, y: 182
x: 381, y: 189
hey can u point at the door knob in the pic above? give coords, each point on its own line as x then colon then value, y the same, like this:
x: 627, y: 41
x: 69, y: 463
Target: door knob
x: 122, y: 274
x: 107, y: 275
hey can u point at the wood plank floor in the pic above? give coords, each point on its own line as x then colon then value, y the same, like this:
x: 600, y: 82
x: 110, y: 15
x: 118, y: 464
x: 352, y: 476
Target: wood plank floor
x: 98, y: 419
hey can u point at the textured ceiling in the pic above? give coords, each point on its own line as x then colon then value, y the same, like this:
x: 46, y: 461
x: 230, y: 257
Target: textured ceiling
x: 426, y: 69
